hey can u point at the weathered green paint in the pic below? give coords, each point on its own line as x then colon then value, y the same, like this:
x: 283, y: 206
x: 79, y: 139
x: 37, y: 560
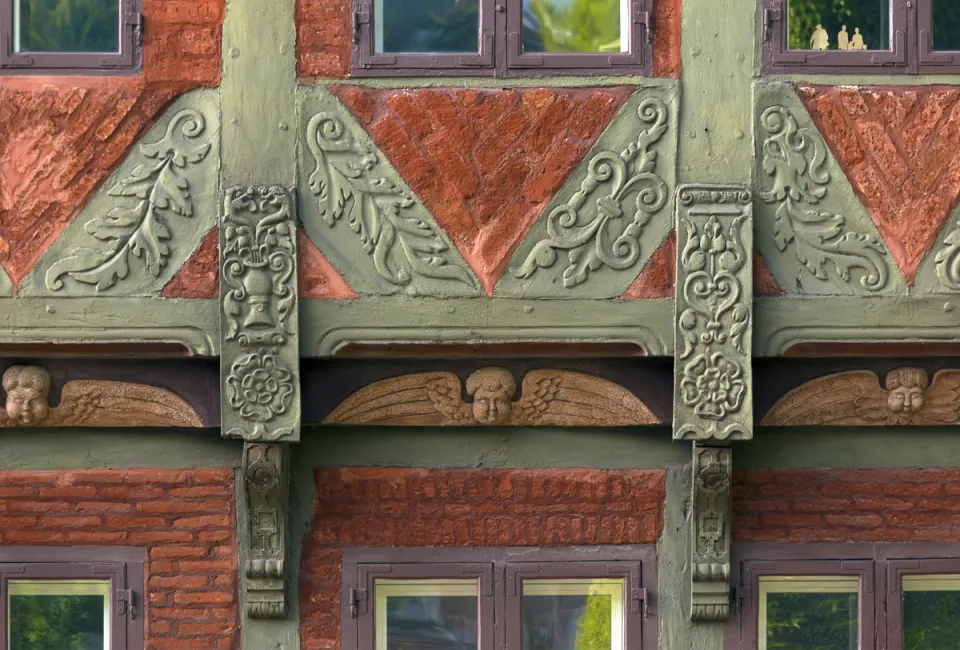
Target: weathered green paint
x: 186, y: 231
x: 490, y: 82
x: 927, y: 279
x: 329, y: 325
x: 872, y: 80
x: 192, y: 323
x: 718, y: 50
x: 635, y: 119
x: 6, y: 286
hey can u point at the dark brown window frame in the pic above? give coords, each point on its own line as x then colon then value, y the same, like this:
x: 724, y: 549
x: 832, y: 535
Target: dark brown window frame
x: 127, y: 61
x: 506, y: 566
x: 122, y: 565
x: 500, y: 49
x: 880, y: 567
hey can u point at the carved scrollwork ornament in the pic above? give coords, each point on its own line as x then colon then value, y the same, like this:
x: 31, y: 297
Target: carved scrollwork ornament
x: 265, y: 487
x: 710, y: 533
x: 601, y: 224
x: 712, y: 397
x: 948, y: 260
x: 794, y: 160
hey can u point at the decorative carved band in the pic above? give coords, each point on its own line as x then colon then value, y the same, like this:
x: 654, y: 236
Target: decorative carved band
x: 713, y: 378
x: 259, y: 362
x: 265, y: 485
x: 547, y: 397
x: 90, y: 403
x: 855, y: 398
x: 710, y: 533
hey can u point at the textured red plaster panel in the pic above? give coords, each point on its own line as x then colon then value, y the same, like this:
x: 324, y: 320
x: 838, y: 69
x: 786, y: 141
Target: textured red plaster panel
x: 60, y: 137
x: 318, y: 280
x: 191, y: 571
x: 199, y: 277
x: 666, y: 41
x: 900, y: 147
x: 484, y: 162
x: 840, y: 505
x: 764, y: 284
x: 658, y: 277
x: 420, y: 507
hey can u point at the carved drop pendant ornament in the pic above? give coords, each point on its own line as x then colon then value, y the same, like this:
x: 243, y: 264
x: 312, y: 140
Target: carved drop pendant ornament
x: 710, y: 533
x: 713, y: 376
x: 265, y: 486
x: 260, y: 354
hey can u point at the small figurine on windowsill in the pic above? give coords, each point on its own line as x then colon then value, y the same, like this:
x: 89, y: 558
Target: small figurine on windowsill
x: 857, y: 42
x: 819, y: 40
x: 843, y: 39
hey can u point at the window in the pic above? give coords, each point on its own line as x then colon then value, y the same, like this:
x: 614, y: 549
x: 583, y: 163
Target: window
x: 883, y: 36
x: 480, y: 599
x: 43, y: 36
x: 501, y: 37
x: 88, y: 598
x: 853, y: 597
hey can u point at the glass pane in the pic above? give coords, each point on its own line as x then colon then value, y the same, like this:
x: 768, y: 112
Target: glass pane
x: 835, y: 25
x: 808, y: 613
x: 66, y: 25
x: 946, y: 25
x: 575, y: 25
x: 427, y: 26
x: 573, y: 614
x: 931, y: 605
x: 58, y: 614
x: 426, y: 614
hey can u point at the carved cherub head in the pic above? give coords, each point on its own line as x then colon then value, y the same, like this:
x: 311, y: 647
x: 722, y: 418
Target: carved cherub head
x: 492, y: 390
x: 905, y: 390
x: 27, y: 388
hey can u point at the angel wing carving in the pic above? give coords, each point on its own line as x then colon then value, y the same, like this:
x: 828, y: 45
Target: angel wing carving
x: 90, y: 403
x: 547, y: 397
x: 856, y: 398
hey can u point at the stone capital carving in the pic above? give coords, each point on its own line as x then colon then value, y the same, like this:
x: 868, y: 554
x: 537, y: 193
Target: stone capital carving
x: 714, y: 307
x: 259, y: 362
x: 710, y: 533
x: 547, y: 397
x: 265, y: 487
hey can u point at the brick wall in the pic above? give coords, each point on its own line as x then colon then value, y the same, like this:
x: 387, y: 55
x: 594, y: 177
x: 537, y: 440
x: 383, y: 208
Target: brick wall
x: 429, y: 508
x: 866, y: 505
x: 184, y: 518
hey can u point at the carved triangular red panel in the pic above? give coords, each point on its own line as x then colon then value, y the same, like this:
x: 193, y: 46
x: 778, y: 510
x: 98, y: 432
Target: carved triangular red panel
x: 199, y: 277
x: 659, y: 276
x: 317, y: 278
x: 764, y: 284
x: 484, y: 162
x: 899, y: 147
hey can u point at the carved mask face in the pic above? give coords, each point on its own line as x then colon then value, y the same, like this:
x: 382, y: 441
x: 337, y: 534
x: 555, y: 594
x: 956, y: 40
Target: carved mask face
x: 491, y: 406
x: 905, y: 401
x: 27, y: 405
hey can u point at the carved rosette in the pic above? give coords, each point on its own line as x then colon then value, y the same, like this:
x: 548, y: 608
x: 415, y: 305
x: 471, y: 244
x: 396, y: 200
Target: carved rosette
x: 710, y: 533
x: 265, y: 487
x: 713, y: 378
x: 260, y: 348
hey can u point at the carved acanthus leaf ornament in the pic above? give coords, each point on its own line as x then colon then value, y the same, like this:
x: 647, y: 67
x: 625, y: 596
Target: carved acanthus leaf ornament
x: 602, y: 222
x: 855, y: 398
x: 348, y: 181
x: 153, y: 191
x: 794, y: 159
x: 89, y: 403
x: 547, y: 397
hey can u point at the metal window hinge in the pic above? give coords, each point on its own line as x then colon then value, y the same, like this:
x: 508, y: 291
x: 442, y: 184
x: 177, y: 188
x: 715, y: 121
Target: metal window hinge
x: 644, y: 18
x: 359, y: 18
x: 738, y: 594
x: 135, y: 19
x: 642, y: 598
x: 356, y: 595
x: 770, y: 16
x: 125, y: 604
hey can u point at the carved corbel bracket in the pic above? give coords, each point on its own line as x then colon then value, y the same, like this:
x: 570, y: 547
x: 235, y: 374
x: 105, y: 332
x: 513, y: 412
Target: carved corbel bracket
x: 259, y: 361
x: 710, y: 533
x: 713, y: 381
x: 265, y: 487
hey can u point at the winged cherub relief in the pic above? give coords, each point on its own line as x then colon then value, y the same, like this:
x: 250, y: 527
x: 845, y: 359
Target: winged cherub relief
x: 856, y: 398
x: 547, y: 397
x: 89, y: 403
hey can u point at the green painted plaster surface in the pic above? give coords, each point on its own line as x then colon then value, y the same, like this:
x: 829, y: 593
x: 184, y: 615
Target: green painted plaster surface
x: 872, y: 80
x: 192, y: 323
x: 327, y: 326
x: 562, y: 247
x: 196, y: 200
x: 927, y: 279
x: 6, y: 286
x: 588, y: 81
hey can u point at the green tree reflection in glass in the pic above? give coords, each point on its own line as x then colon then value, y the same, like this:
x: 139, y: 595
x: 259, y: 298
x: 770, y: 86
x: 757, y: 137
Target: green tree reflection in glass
x: 422, y: 26
x: 871, y: 17
x: 67, y: 26
x: 56, y: 623
x: 593, y: 628
x: 946, y: 25
x: 812, y: 621
x: 572, y: 26
x: 931, y: 620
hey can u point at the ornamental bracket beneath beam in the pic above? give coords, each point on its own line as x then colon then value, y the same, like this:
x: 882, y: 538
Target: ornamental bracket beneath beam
x: 710, y: 533
x: 265, y: 487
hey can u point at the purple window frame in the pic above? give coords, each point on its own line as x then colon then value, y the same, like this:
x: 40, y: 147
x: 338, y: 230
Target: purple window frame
x: 499, y: 604
x: 930, y: 60
x: 501, y: 54
x: 127, y: 61
x: 124, y: 567
x: 777, y: 58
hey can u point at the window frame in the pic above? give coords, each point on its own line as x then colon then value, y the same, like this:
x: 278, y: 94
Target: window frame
x: 501, y: 54
x: 123, y: 566
x: 127, y: 61
x: 928, y: 59
x: 505, y: 566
